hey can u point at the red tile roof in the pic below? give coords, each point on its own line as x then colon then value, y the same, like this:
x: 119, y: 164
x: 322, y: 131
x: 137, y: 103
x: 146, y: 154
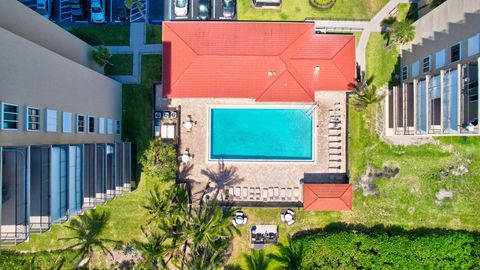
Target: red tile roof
x: 327, y: 197
x: 260, y: 60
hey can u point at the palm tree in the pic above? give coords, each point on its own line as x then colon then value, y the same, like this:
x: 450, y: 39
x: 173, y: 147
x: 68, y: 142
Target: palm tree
x: 135, y: 3
x: 155, y: 248
x: 256, y: 260
x: 101, y: 56
x: 86, y: 231
x: 222, y: 178
x: 364, y: 96
x: 402, y: 32
x: 289, y: 256
x: 56, y: 265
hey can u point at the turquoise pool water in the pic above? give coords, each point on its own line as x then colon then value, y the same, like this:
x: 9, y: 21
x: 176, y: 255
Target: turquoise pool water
x: 260, y: 134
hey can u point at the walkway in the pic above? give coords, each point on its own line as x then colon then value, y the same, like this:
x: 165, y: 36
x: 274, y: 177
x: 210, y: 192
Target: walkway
x: 137, y: 48
x: 366, y: 27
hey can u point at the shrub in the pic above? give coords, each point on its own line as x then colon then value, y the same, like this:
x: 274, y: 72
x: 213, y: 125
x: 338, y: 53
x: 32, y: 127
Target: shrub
x: 160, y: 161
x: 387, y: 249
x: 322, y: 4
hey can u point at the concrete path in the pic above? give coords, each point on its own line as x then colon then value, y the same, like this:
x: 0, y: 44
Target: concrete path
x: 137, y: 48
x: 366, y: 27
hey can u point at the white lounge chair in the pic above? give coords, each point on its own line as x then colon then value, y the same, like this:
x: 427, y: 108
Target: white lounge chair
x: 289, y: 193
x: 237, y: 192
x: 282, y: 194
x: 296, y: 193
x: 275, y: 193
x: 265, y: 194
x: 245, y: 192
x: 270, y: 193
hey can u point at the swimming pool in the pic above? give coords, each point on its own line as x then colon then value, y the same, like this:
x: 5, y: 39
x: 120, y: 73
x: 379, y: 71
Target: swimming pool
x: 262, y: 134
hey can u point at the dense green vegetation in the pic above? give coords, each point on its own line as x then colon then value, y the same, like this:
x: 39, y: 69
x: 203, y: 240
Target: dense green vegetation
x: 356, y: 247
x: 160, y: 161
x: 110, y: 35
x: 299, y: 10
x: 42, y: 260
x: 120, y: 64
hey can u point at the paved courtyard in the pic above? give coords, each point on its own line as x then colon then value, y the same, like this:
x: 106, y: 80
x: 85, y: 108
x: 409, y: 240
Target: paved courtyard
x: 264, y: 175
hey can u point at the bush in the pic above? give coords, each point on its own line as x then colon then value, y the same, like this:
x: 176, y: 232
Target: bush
x: 160, y: 161
x: 11, y: 260
x: 388, y: 249
x: 322, y: 4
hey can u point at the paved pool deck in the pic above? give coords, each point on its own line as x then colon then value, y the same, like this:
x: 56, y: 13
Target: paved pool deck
x: 270, y: 173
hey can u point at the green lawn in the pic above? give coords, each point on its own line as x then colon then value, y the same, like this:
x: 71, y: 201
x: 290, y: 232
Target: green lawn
x: 115, y: 35
x: 156, y: 37
x: 122, y: 64
x: 381, y: 61
x: 298, y: 10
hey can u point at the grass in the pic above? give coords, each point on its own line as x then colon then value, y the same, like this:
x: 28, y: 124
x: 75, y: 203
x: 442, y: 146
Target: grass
x: 122, y: 64
x: 381, y: 62
x: 157, y: 34
x: 112, y: 35
x: 298, y: 10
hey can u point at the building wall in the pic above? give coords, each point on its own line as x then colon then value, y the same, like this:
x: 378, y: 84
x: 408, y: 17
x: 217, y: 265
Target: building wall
x: 445, y: 26
x: 31, y: 75
x: 21, y: 20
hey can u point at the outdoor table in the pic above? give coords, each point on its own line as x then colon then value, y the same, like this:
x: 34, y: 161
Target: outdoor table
x: 288, y: 217
x: 185, y: 158
x: 188, y: 125
x: 239, y: 219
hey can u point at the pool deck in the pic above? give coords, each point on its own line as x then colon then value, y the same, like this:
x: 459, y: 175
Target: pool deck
x: 265, y: 174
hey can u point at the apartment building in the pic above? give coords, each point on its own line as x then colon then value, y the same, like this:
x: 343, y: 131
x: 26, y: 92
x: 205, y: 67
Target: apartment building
x: 438, y: 94
x: 60, y: 134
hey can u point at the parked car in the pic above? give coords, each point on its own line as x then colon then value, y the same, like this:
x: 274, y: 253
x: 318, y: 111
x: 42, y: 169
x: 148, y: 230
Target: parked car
x: 181, y: 8
x: 76, y: 9
x: 204, y: 9
x: 98, y: 11
x: 122, y: 14
x: 228, y: 9
x: 44, y: 8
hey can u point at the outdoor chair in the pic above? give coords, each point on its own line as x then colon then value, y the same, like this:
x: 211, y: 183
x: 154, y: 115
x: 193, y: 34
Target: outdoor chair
x: 282, y: 193
x: 230, y: 192
x: 238, y: 192
x: 291, y: 222
x: 270, y: 193
x: 252, y: 193
x: 245, y: 219
x: 275, y: 192
x: 245, y: 192
x: 257, y: 193
x: 289, y: 193
x: 265, y: 194
x: 296, y: 193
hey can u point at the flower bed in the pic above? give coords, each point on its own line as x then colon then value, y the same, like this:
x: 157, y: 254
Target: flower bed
x: 322, y: 4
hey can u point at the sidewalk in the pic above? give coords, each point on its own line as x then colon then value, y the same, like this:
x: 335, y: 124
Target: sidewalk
x: 137, y: 48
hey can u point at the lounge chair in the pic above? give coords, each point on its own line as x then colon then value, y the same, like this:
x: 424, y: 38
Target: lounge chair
x: 282, y: 194
x: 265, y: 194
x: 257, y: 193
x: 296, y: 193
x: 275, y: 193
x: 230, y: 192
x: 237, y: 192
x: 252, y: 193
x: 270, y: 193
x: 245, y: 192
x: 289, y: 193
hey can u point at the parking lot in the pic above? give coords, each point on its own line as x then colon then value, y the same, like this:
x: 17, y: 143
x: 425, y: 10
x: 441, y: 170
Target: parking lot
x: 216, y: 10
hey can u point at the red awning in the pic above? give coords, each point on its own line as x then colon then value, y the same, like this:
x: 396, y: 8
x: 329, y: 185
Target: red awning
x: 327, y: 197
x: 265, y: 61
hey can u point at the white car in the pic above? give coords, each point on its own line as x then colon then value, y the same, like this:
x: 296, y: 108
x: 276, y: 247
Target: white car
x: 98, y: 11
x: 181, y: 8
x: 44, y: 8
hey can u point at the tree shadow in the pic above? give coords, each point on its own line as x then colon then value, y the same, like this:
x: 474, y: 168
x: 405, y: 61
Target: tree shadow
x: 222, y: 177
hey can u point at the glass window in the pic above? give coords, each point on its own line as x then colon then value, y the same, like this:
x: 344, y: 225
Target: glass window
x: 101, y: 125
x: 473, y: 45
x: 91, y: 124
x: 51, y: 120
x: 33, y: 119
x: 426, y: 64
x: 80, y: 123
x: 67, y: 122
x: 117, y: 125
x: 415, y: 69
x: 440, y: 59
x: 10, y: 116
x: 404, y: 73
x: 110, y: 126
x: 455, y: 53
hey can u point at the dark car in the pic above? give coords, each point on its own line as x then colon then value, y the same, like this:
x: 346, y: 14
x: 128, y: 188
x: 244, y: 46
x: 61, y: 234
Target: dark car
x: 76, y: 9
x: 204, y: 9
x: 122, y: 14
x: 228, y: 9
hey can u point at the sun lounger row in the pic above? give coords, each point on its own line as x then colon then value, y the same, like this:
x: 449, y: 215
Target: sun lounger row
x: 335, y: 138
x: 244, y: 193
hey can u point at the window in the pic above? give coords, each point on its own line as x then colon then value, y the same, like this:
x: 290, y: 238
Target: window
x: 9, y: 116
x: 426, y: 64
x: 91, y: 124
x: 455, y: 52
x: 110, y: 126
x: 405, y: 73
x: 80, y: 123
x: 101, y: 125
x: 474, y: 45
x: 33, y: 119
x: 415, y: 69
x: 440, y: 59
x: 67, y: 122
x: 117, y: 125
x: 51, y: 120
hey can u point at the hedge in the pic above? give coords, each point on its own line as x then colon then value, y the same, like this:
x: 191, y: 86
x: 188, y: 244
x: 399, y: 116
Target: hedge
x: 361, y: 248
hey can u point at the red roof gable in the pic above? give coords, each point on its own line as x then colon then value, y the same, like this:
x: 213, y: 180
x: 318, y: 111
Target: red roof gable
x: 327, y: 197
x: 260, y: 60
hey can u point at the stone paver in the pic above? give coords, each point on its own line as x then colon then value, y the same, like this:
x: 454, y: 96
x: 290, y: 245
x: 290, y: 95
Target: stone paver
x: 137, y: 48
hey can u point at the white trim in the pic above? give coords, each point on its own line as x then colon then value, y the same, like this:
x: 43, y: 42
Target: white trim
x: 27, y: 119
x: 15, y: 121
